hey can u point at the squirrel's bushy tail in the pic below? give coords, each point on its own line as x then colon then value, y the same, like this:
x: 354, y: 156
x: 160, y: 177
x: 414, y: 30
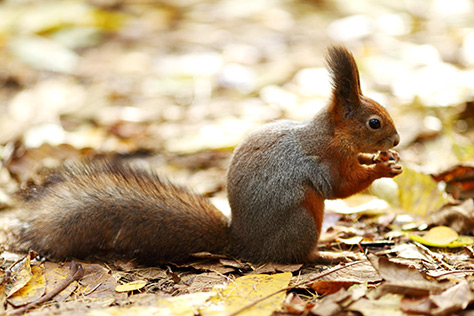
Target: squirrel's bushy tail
x: 111, y: 208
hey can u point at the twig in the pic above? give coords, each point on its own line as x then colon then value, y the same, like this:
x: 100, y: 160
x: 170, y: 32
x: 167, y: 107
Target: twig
x: 322, y: 274
x: 75, y: 273
x: 93, y: 289
x: 469, y: 250
x: 436, y: 256
x: 451, y: 272
x: 16, y: 262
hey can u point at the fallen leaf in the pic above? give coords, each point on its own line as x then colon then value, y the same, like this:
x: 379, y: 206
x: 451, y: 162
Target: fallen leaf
x: 392, y: 271
x: 416, y: 305
x: 21, y: 277
x: 182, y: 305
x: 189, y: 304
x: 295, y: 305
x: 329, y: 287
x: 389, y: 304
x: 358, y: 204
x: 204, y: 282
x: 130, y: 286
x: 402, y: 279
x: 336, y: 302
x: 150, y: 273
x: 419, y: 193
x: 248, y: 289
x: 98, y: 286
x: 442, y: 236
x: 458, y: 217
x: 358, y: 273
x: 220, y: 265
x: 32, y: 290
x: 455, y: 298
x: 55, y: 274
x: 351, y: 241
x: 3, y: 298
x: 408, y: 287
x: 26, y: 164
x: 409, y: 251
x: 275, y: 267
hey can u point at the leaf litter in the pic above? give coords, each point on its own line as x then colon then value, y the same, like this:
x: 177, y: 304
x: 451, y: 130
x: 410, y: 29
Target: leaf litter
x: 160, y: 83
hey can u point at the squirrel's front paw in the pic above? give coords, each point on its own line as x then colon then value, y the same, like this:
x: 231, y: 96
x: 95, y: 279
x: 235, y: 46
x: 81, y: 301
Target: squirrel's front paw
x: 384, y: 156
x: 389, y: 169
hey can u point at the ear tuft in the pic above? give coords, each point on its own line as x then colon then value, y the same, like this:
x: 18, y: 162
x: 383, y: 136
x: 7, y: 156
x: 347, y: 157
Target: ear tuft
x: 344, y: 74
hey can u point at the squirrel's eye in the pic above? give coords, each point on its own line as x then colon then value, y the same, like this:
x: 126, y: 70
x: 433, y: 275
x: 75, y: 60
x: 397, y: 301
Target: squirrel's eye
x: 374, y: 123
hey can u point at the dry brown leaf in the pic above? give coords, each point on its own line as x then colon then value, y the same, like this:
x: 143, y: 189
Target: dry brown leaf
x: 402, y: 279
x: 98, y: 285
x: 55, y: 274
x: 295, y: 305
x: 407, y: 287
x: 387, y: 305
x: 395, y: 272
x: 458, y: 217
x: 275, y: 267
x: 419, y: 305
x: 211, y: 265
x: 334, y: 303
x: 330, y: 287
x: 150, y: 273
x: 26, y: 164
x: 204, y: 282
x: 358, y: 273
x: 454, y: 299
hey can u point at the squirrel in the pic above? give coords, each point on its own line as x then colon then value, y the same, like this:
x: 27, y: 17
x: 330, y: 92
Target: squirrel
x: 277, y: 181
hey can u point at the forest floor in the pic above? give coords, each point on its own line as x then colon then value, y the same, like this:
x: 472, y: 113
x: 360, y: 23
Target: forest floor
x: 177, y: 84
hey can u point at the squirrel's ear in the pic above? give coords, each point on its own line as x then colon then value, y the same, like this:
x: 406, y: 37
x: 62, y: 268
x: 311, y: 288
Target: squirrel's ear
x: 345, y: 76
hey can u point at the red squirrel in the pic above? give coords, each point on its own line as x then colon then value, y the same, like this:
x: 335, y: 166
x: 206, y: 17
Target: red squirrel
x: 277, y: 182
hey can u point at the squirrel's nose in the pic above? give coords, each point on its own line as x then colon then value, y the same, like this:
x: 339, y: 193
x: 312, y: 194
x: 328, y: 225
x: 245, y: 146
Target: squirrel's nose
x: 396, y: 139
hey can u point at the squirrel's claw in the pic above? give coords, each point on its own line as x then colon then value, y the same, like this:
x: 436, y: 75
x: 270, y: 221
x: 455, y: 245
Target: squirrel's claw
x: 389, y: 155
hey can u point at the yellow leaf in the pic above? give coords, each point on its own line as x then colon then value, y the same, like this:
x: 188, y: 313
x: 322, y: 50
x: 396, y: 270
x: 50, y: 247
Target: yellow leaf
x: 248, y: 289
x: 181, y: 305
x: 131, y: 286
x: 32, y: 290
x: 460, y: 242
x: 3, y: 298
x: 184, y: 304
x: 442, y: 236
x: 419, y: 193
x: 235, y: 295
x: 21, y: 277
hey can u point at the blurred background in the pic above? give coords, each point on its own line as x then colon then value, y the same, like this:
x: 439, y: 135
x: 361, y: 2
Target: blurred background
x: 182, y: 81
